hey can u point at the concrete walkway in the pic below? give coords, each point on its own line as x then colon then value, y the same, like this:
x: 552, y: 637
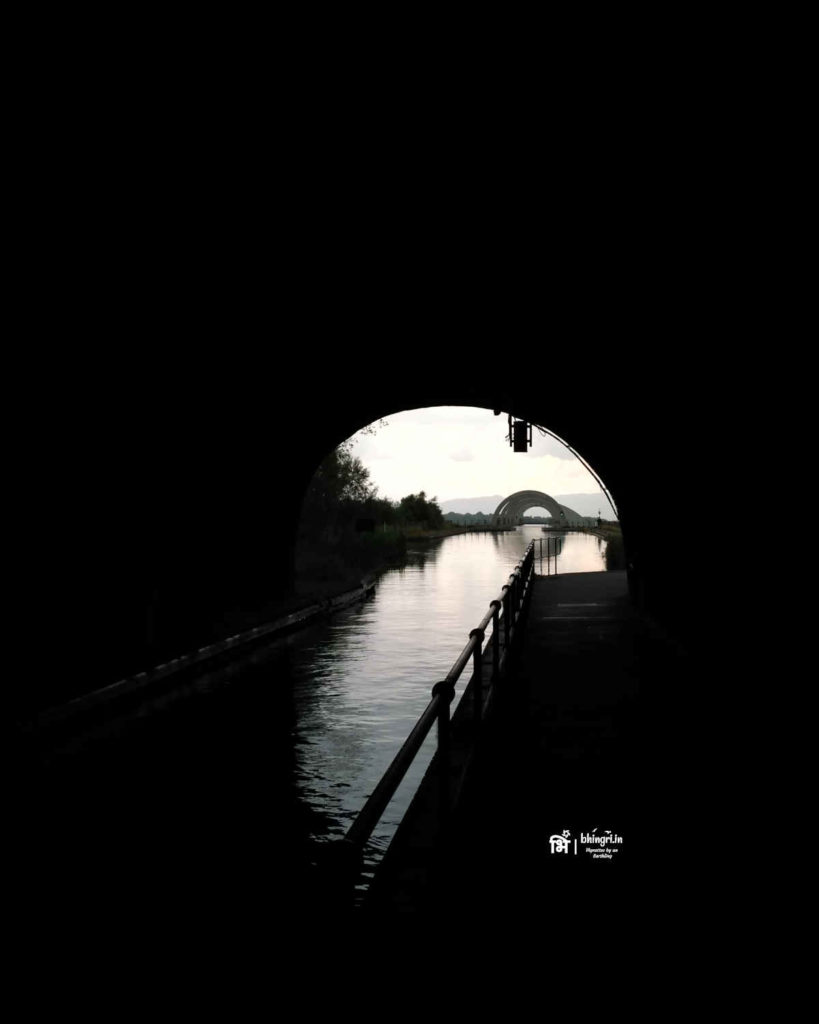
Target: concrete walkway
x: 567, y: 751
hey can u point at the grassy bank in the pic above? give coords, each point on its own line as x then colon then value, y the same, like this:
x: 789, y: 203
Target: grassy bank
x: 325, y: 567
x: 450, y: 531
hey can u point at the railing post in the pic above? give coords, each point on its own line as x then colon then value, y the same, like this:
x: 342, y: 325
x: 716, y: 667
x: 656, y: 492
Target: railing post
x: 495, y: 640
x: 506, y: 615
x: 477, y: 671
x: 340, y: 865
x: 446, y: 692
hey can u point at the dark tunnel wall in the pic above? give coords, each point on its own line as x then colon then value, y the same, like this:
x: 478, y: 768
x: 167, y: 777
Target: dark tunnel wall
x: 211, y: 337
x: 177, y: 485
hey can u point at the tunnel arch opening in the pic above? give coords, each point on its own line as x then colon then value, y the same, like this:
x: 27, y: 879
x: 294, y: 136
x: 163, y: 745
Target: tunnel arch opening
x: 206, y: 501
x: 373, y: 515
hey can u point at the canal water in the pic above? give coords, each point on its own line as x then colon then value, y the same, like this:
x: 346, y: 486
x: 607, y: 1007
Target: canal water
x: 361, y: 679
x: 242, y: 775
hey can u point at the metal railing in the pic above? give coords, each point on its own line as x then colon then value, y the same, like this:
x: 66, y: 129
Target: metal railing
x: 551, y: 552
x: 504, y: 614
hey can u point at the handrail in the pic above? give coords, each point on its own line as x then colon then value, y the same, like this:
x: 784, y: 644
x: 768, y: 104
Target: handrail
x: 366, y: 820
x: 510, y: 600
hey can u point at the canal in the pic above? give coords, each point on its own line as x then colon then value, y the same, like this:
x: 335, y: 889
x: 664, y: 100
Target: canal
x: 361, y: 679
x: 248, y: 772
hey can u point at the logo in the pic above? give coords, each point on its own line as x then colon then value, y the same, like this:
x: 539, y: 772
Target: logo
x: 598, y: 847
x: 560, y: 844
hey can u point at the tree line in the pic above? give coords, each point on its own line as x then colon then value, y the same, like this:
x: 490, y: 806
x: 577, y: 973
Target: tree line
x: 483, y: 518
x: 341, y: 498
x: 347, y: 531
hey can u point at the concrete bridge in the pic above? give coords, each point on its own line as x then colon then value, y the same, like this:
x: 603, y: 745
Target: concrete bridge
x: 511, y: 510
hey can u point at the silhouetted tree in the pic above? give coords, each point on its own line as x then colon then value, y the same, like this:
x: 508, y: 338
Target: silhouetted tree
x: 417, y: 510
x: 339, y: 488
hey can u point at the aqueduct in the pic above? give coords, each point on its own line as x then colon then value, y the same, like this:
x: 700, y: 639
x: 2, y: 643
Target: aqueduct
x: 511, y: 509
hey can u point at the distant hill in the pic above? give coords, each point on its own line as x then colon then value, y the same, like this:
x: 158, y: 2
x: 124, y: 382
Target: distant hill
x: 585, y: 504
x: 487, y: 505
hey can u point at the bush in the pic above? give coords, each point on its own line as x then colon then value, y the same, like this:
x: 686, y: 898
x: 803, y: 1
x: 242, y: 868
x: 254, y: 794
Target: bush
x: 346, y: 531
x: 615, y: 552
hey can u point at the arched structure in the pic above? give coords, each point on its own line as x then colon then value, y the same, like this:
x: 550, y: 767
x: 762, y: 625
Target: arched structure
x: 511, y: 509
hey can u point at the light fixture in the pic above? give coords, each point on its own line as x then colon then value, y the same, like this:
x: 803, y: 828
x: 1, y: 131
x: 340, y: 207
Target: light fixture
x: 520, y: 434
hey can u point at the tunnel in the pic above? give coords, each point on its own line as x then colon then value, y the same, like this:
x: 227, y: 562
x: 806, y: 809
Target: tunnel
x: 174, y: 496
x: 209, y: 322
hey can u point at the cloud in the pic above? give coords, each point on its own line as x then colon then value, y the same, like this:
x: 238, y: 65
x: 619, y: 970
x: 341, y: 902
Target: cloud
x: 366, y: 448
x: 462, y: 455
x: 549, y: 446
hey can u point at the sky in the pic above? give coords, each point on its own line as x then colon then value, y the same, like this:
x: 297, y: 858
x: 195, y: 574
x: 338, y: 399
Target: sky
x: 458, y: 452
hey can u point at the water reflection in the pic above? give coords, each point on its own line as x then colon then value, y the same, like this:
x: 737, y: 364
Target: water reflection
x: 361, y: 679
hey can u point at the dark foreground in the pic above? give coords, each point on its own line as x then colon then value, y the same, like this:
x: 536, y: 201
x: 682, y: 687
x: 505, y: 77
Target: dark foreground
x: 182, y: 818
x: 572, y: 749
